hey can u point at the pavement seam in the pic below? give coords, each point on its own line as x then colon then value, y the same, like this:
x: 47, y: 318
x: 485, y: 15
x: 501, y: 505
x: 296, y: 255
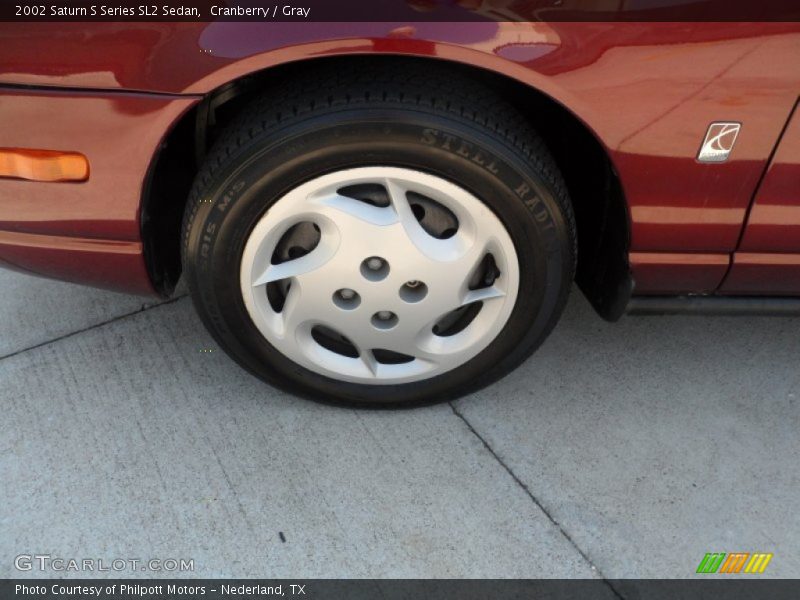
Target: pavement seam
x: 141, y: 309
x: 469, y: 426
x: 535, y: 500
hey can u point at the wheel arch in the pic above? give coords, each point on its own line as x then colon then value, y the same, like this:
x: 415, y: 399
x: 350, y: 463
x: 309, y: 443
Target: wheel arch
x: 594, y: 187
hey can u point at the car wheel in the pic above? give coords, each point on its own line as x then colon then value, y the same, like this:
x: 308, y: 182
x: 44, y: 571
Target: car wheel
x: 379, y: 239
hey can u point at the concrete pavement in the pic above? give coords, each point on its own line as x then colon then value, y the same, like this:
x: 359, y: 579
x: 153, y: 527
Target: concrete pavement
x: 624, y: 450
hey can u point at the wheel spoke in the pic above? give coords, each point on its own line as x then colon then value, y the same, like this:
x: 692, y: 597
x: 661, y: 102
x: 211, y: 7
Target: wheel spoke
x: 482, y: 295
x: 294, y: 268
x: 397, y: 196
x: 367, y: 213
x: 409, y: 347
x: 419, y: 353
x: 453, y: 278
x: 368, y: 358
x: 293, y: 313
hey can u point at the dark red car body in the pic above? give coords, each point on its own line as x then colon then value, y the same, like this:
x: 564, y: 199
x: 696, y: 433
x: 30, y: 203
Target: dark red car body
x: 646, y: 92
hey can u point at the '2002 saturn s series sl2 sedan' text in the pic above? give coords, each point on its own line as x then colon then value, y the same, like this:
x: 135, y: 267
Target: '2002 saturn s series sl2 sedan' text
x: 394, y: 213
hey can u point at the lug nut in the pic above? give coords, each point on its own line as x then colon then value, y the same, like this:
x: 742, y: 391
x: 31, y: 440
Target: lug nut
x: 413, y: 291
x: 346, y: 299
x: 374, y: 268
x: 384, y: 319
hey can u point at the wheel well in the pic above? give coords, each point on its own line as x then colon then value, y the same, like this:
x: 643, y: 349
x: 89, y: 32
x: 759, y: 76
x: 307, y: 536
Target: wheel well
x: 594, y: 188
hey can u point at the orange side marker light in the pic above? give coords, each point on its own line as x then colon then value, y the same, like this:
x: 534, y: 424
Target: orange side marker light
x: 43, y: 165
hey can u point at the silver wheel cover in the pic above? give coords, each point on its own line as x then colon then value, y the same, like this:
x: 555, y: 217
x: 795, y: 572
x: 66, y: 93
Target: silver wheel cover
x: 395, y: 303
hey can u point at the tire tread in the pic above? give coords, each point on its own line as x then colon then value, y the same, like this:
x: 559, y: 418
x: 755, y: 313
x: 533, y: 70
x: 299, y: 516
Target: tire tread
x: 433, y: 88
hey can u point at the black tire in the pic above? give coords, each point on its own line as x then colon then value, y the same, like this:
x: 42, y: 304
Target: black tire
x: 425, y: 119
